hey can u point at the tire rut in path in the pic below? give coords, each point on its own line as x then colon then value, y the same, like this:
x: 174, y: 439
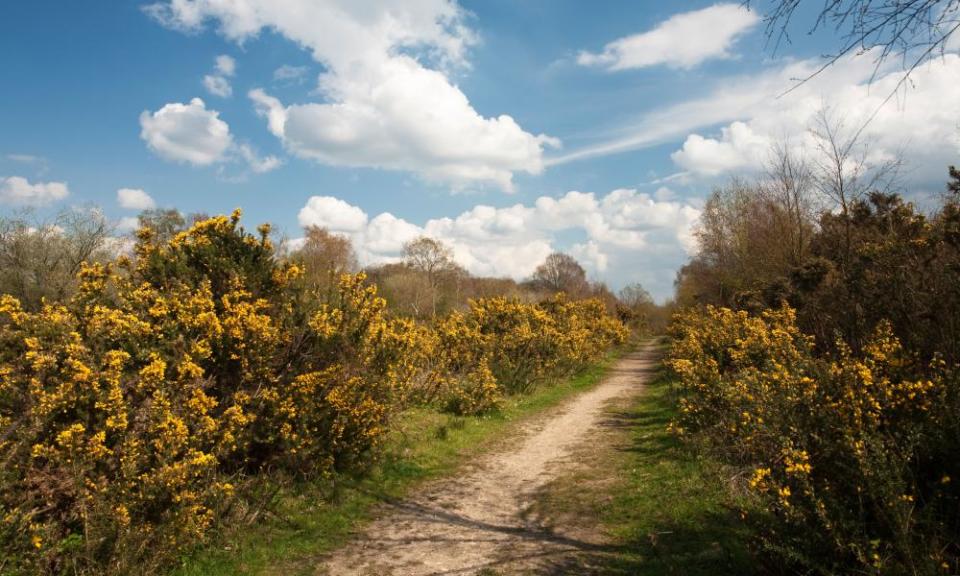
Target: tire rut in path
x: 478, y: 519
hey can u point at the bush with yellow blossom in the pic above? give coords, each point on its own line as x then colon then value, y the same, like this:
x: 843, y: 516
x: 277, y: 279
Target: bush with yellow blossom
x: 854, y: 456
x: 129, y: 414
x: 133, y: 415
x: 504, y: 346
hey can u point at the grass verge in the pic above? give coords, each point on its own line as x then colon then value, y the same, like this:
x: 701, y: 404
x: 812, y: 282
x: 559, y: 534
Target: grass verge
x: 674, y: 511
x: 665, y: 508
x: 308, y: 520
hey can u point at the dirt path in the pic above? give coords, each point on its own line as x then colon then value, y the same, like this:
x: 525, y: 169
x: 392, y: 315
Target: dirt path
x: 480, y: 519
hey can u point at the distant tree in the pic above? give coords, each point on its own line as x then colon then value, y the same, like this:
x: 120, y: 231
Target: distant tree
x: 325, y: 256
x: 635, y: 295
x: 953, y: 186
x: 744, y: 236
x: 491, y: 287
x: 602, y: 292
x: 789, y: 183
x: 634, y: 305
x: 165, y: 222
x: 407, y: 292
x: 40, y: 259
x: 433, y: 260
x: 427, y: 255
x: 842, y: 170
x: 561, y: 273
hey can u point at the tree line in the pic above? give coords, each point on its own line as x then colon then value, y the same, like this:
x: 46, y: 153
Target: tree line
x: 40, y: 260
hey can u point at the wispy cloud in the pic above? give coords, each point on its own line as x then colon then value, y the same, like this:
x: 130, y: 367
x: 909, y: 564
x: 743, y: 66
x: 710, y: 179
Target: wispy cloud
x: 218, y: 83
x: 733, y: 98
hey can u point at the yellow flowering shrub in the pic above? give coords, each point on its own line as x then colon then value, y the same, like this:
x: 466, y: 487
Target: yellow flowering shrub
x: 583, y: 329
x: 461, y: 379
x: 502, y: 346
x: 129, y: 414
x: 848, y: 453
x: 133, y: 414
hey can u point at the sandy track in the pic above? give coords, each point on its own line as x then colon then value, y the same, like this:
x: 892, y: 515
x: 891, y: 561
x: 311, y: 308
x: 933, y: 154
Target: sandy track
x: 480, y: 518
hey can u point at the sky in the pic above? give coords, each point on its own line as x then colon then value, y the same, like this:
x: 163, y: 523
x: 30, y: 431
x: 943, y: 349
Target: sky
x: 506, y: 128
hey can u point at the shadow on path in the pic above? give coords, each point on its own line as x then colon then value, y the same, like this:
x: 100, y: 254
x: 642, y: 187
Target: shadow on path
x: 543, y: 549
x: 436, y: 535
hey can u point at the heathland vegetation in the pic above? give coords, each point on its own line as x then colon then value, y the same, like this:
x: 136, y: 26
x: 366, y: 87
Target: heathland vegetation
x: 148, y: 398
x: 157, y: 390
x: 817, y: 353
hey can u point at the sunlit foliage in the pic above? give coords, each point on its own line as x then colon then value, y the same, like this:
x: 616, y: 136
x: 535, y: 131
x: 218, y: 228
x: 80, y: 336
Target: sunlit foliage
x: 134, y: 414
x: 854, y: 455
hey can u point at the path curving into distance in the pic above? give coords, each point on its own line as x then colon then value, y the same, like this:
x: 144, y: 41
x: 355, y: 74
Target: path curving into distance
x: 479, y: 519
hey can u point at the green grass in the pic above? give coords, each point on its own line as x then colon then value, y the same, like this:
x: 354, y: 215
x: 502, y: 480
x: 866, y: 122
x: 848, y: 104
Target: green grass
x: 672, y: 512
x: 308, y: 520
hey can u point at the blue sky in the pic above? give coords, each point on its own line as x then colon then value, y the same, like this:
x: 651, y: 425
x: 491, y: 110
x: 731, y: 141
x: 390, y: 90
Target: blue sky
x: 505, y: 128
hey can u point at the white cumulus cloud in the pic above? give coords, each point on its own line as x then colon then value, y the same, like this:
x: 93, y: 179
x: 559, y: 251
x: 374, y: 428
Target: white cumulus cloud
x: 18, y: 191
x: 630, y: 236
x: 187, y: 133
x: 193, y: 134
x: 389, y: 101
x: 726, y: 129
x: 737, y: 148
x: 135, y: 199
x: 333, y: 214
x: 920, y: 125
x: 682, y: 41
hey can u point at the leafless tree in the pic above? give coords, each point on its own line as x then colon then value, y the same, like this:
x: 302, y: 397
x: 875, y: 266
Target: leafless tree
x: 844, y: 171
x: 843, y: 168
x: 39, y: 259
x: 914, y: 30
x: 434, y: 261
x: 788, y: 182
x: 635, y: 296
x: 561, y: 273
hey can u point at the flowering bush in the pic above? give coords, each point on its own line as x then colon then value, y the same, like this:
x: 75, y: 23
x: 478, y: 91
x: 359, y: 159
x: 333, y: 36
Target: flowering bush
x: 855, y: 456
x: 127, y: 413
x: 531, y: 342
x: 583, y: 330
x: 462, y: 379
x: 503, y: 346
x: 131, y: 414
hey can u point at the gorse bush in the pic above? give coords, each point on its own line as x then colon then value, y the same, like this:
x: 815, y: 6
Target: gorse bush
x: 135, y: 413
x: 856, y: 456
x: 835, y: 386
x: 127, y: 410
x: 504, y: 346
